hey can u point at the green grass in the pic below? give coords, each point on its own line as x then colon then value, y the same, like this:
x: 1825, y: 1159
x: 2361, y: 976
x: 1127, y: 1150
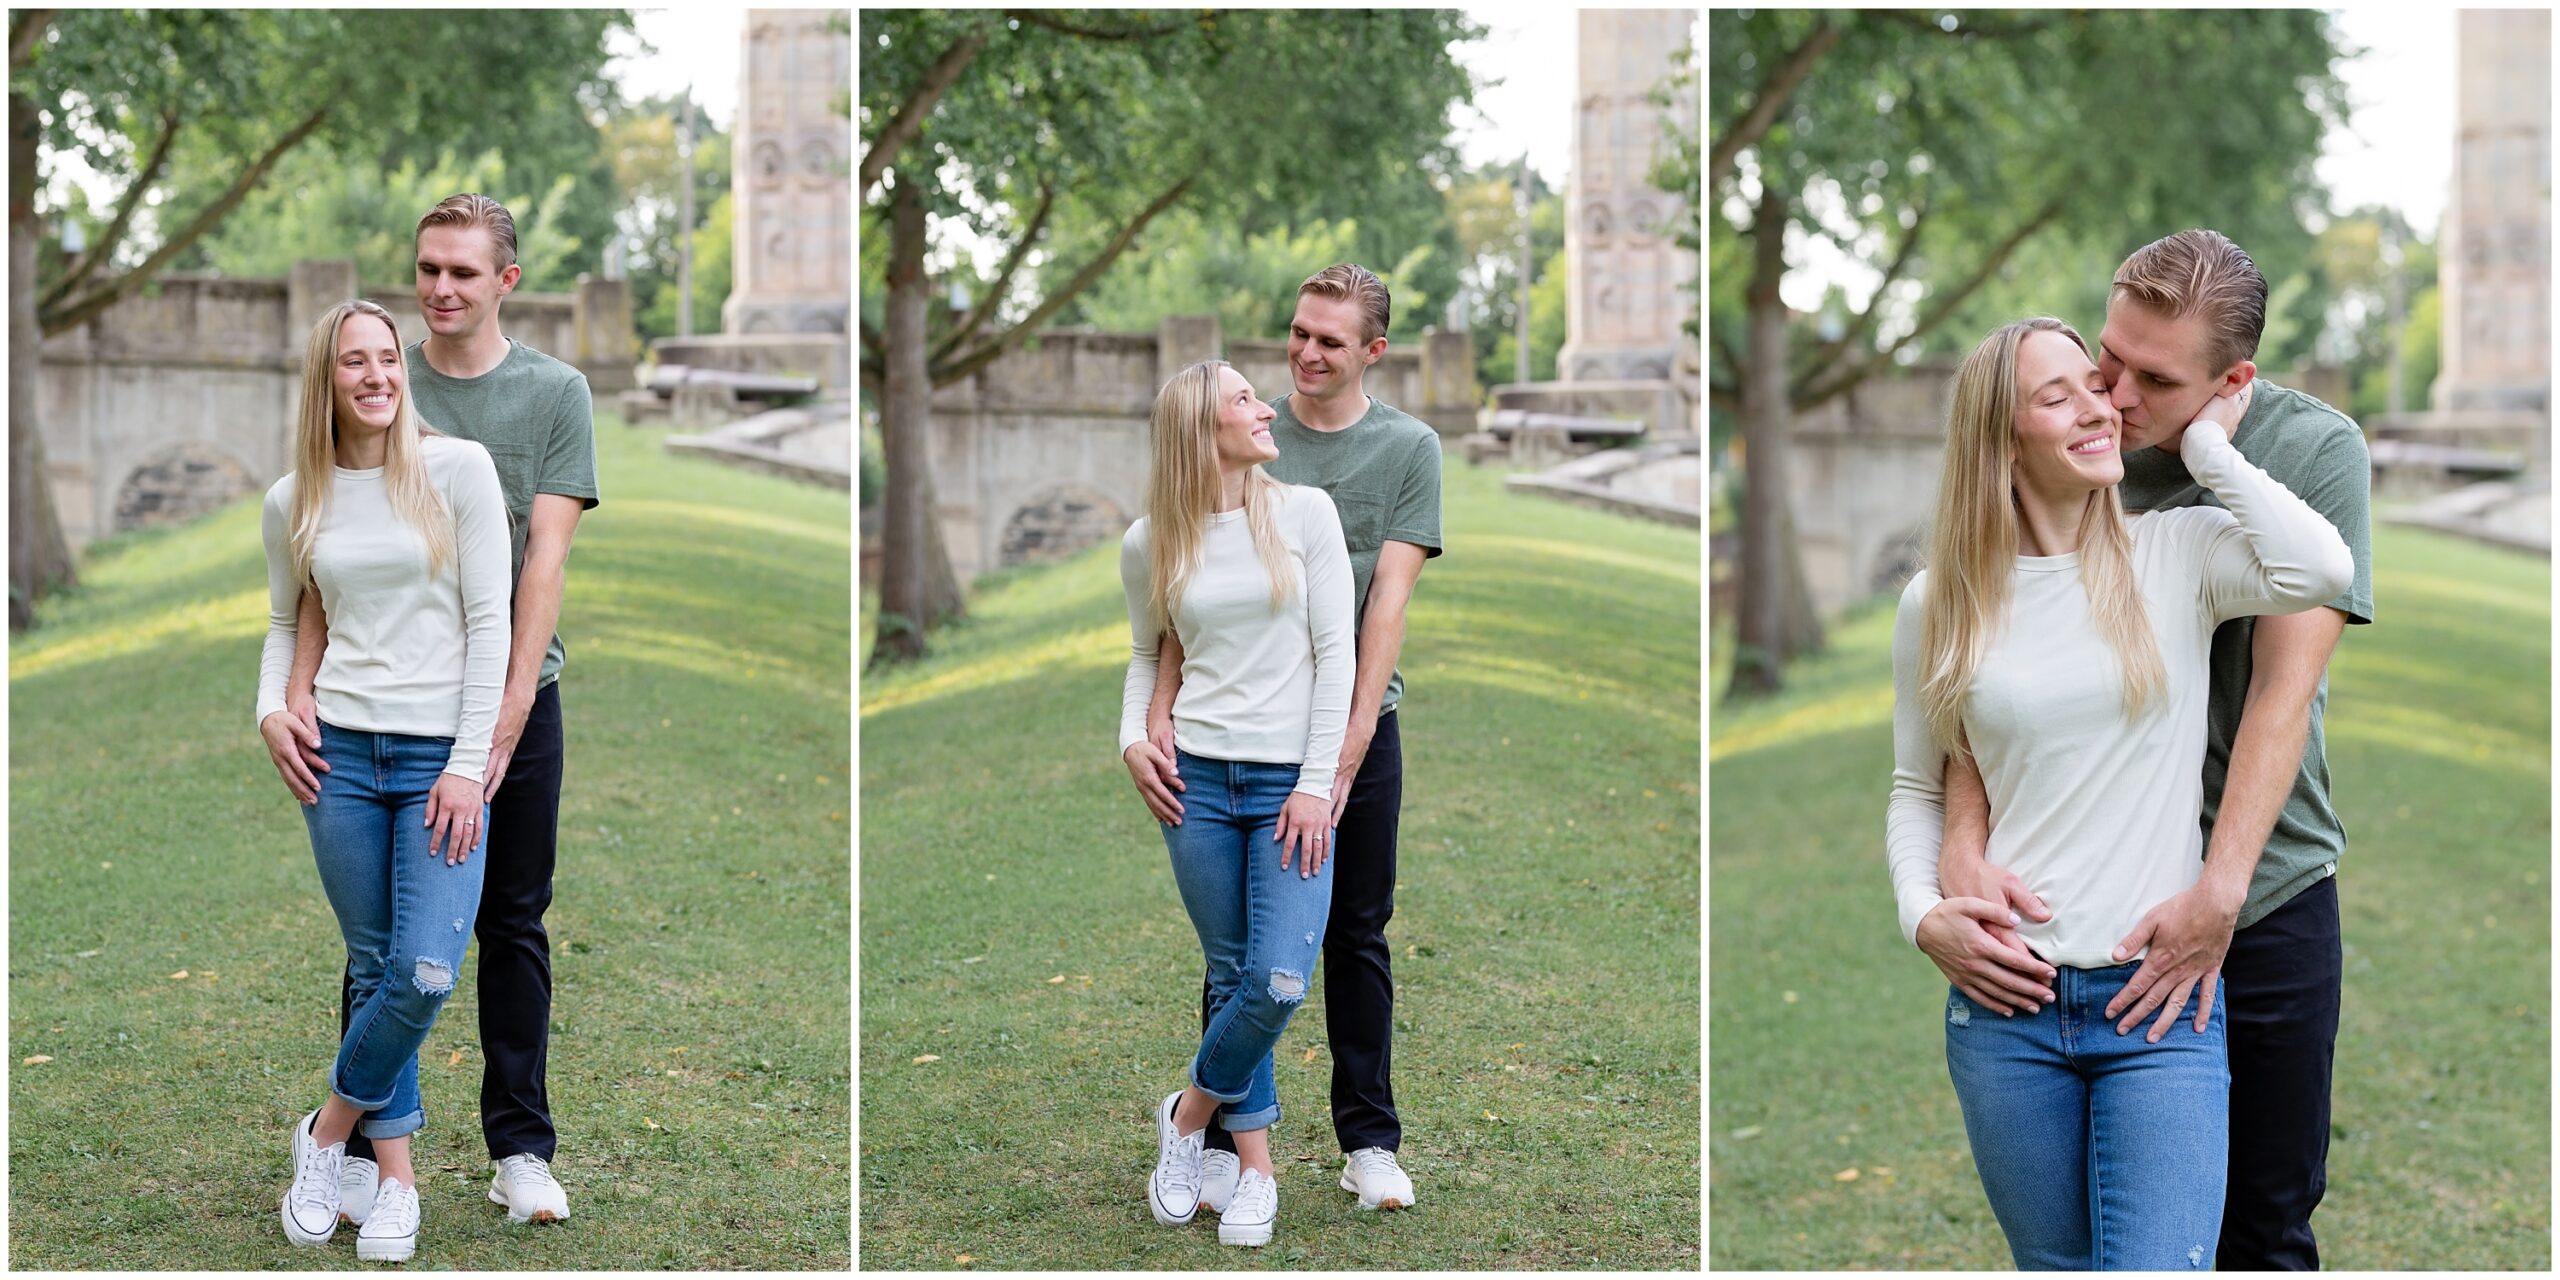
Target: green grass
x: 1020, y: 924
x: 700, y: 945
x: 1827, y: 1052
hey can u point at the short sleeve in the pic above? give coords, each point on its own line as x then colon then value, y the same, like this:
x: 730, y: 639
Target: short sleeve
x: 1416, y: 515
x: 569, y: 454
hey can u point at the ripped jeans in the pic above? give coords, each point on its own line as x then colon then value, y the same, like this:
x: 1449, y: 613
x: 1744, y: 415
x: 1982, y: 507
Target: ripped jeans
x: 1260, y: 927
x: 405, y: 915
x: 2099, y: 1151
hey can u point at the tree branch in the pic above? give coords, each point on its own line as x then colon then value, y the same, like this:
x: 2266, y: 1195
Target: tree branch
x: 113, y: 236
x: 946, y: 374
x: 70, y: 315
x: 1829, y: 354
x: 909, y: 119
x: 1768, y: 98
x: 1814, y: 392
x: 1044, y: 18
x: 26, y: 27
x: 1004, y: 277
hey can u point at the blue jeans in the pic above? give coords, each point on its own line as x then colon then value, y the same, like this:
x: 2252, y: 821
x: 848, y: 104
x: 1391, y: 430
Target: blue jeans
x: 1260, y: 927
x: 405, y: 915
x: 2100, y: 1152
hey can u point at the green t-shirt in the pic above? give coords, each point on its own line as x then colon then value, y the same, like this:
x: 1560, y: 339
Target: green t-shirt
x: 1383, y: 473
x: 2319, y: 454
x: 536, y: 418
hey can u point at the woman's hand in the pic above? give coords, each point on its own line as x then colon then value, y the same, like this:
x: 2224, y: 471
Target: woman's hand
x: 1956, y: 935
x: 1158, y: 778
x: 1305, y: 827
x: 453, y: 816
x: 288, y: 740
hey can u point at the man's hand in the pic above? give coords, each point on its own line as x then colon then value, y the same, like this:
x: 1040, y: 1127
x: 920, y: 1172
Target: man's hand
x: 1956, y: 935
x: 1302, y: 827
x: 512, y: 710
x: 294, y: 748
x: 1158, y: 778
x: 2188, y: 936
x: 1355, y: 748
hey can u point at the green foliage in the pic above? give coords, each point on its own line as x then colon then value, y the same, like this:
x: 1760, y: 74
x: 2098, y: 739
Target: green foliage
x: 1246, y: 107
x: 1682, y: 169
x: 712, y: 246
x: 1496, y: 366
x: 1969, y: 126
x: 317, y: 206
x: 1250, y: 282
x: 467, y: 82
x: 1026, y: 998
x: 701, y: 1027
x: 1484, y: 217
x: 2439, y: 735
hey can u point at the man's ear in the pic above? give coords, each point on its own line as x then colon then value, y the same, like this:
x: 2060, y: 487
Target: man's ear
x: 1377, y: 347
x: 507, y: 279
x: 2238, y: 376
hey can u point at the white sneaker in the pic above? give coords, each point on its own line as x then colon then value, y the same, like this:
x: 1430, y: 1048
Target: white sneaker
x: 1173, y: 1191
x: 310, y: 1208
x: 525, y: 1187
x: 1372, y: 1174
x: 390, y: 1232
x: 1250, y: 1217
x: 1217, y: 1179
x: 356, y: 1181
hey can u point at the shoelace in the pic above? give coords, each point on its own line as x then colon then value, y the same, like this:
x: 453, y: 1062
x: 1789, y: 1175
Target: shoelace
x: 1177, y: 1185
x: 1257, y: 1197
x: 1372, y: 1161
x: 314, y: 1181
x: 527, y: 1170
x: 396, y: 1213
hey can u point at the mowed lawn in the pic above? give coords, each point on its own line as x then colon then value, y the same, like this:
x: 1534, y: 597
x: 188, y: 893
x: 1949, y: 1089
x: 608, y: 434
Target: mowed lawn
x: 173, y: 965
x: 1030, y: 984
x: 1835, y: 1138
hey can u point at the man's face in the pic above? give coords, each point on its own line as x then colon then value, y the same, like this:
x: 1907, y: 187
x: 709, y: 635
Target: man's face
x: 1326, y: 356
x: 2155, y: 370
x: 459, y: 280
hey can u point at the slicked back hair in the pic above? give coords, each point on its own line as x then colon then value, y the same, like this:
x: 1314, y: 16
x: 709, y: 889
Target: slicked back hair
x: 1359, y: 284
x: 2200, y: 272
x: 471, y: 209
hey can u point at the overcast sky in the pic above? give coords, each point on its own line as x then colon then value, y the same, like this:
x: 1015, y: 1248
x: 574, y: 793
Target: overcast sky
x: 699, y: 45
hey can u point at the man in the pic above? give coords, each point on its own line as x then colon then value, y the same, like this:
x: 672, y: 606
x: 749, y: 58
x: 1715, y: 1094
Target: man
x: 1382, y: 468
x: 535, y: 416
x: 2183, y: 321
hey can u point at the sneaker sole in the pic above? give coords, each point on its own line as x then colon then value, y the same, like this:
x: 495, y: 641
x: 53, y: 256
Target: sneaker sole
x: 1248, y: 1237
x: 1388, y: 1203
x: 382, y: 1249
x: 294, y: 1232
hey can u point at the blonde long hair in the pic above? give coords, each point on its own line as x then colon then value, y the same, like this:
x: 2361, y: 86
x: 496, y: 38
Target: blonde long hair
x: 1973, y: 545
x: 1182, y: 492
x: 315, y: 449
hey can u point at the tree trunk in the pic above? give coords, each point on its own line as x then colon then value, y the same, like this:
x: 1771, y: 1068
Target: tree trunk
x: 1774, y: 619
x: 39, y: 556
x: 917, y: 587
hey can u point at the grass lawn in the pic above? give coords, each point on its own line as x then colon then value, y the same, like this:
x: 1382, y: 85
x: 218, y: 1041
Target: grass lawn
x: 174, y: 967
x: 1828, y: 1053
x: 1030, y: 982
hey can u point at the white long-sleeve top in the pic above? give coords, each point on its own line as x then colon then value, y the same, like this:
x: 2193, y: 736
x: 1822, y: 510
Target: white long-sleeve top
x: 1257, y: 684
x: 408, y: 653
x: 2095, y: 812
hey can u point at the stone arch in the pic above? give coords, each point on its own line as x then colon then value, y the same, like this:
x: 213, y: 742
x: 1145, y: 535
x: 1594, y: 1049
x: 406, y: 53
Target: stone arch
x: 179, y: 483
x: 1058, y: 522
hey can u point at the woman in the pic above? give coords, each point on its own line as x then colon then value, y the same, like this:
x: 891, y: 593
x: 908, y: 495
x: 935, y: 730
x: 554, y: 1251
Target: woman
x: 1251, y: 576
x: 2063, y: 647
x: 403, y: 532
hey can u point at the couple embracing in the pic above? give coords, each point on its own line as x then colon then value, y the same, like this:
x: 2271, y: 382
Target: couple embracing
x: 1258, y: 721
x: 2111, y: 792
x: 408, y: 695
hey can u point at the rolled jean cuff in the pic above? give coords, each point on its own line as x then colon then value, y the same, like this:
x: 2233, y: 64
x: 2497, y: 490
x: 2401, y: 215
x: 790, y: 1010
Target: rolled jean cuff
x: 1197, y: 1083
x: 338, y: 1086
x: 380, y: 1130
x: 1249, y: 1121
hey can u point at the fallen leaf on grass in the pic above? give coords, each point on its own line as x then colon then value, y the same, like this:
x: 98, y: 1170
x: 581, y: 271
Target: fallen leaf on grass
x: 1788, y: 996
x: 1491, y: 1116
x: 1746, y: 1133
x: 33, y: 1060
x: 963, y: 1259
x: 1845, y: 1175
x: 971, y: 959
x: 655, y: 1125
x: 923, y: 1058
x: 1308, y: 1056
x: 85, y: 954
x: 452, y: 1059
x: 1057, y: 979
x: 178, y: 975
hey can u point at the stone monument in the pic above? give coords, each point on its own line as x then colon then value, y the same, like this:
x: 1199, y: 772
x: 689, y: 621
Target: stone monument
x: 2495, y: 259
x: 1630, y: 281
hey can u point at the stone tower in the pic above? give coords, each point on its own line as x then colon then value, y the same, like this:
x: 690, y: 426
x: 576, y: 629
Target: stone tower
x: 791, y: 261
x: 2495, y: 254
x: 1627, y: 294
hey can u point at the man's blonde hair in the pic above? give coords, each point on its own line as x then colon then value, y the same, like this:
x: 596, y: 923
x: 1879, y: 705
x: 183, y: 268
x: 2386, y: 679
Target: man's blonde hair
x: 1359, y: 284
x: 2200, y: 272
x: 471, y: 209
